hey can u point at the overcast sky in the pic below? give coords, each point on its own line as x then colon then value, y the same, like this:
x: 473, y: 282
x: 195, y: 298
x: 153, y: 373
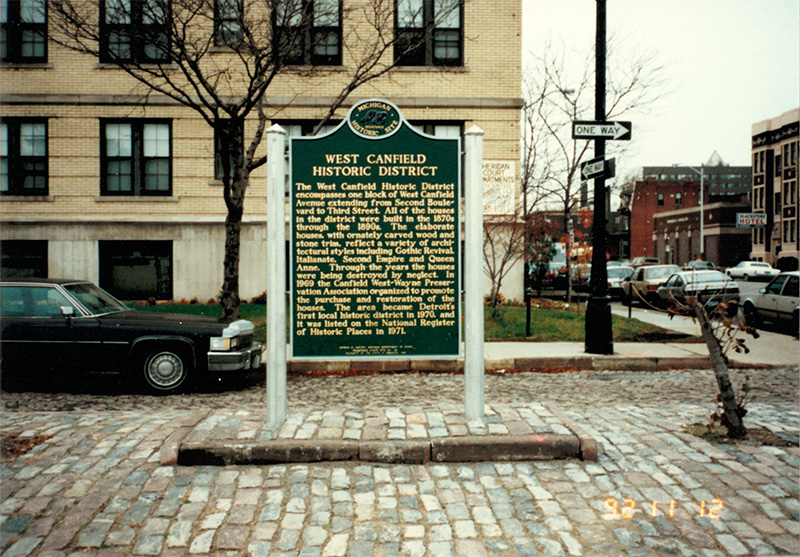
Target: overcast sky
x: 730, y: 63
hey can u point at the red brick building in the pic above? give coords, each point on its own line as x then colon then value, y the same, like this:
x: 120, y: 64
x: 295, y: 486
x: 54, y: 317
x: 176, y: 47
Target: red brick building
x: 651, y: 197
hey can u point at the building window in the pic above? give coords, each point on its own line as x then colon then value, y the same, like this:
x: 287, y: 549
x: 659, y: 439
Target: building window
x: 301, y: 128
x: 136, y: 158
x: 789, y: 193
x: 789, y: 231
x: 227, y: 141
x: 678, y: 199
x: 228, y: 22
x: 23, y: 157
x: 309, y: 32
x: 777, y: 203
x: 660, y: 199
x: 23, y: 27
x: 23, y: 258
x: 429, y: 33
x: 136, y: 270
x: 134, y: 31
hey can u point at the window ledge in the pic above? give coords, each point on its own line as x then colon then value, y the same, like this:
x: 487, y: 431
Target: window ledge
x: 137, y: 198
x: 215, y: 183
x: 26, y: 65
x: 35, y: 198
x: 114, y: 66
x: 453, y: 69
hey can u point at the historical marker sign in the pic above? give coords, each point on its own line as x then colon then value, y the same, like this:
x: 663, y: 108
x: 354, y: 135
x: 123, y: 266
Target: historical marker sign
x: 589, y: 129
x: 375, y: 246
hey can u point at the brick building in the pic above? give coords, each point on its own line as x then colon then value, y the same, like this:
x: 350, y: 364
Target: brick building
x: 103, y: 182
x: 665, y: 213
x: 775, y: 170
x: 651, y: 197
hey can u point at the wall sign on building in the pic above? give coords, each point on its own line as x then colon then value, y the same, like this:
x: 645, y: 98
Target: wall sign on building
x: 499, y: 180
x: 375, y: 246
x: 751, y: 220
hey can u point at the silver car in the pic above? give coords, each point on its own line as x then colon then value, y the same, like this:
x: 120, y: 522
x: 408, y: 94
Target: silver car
x: 705, y: 286
x: 777, y: 302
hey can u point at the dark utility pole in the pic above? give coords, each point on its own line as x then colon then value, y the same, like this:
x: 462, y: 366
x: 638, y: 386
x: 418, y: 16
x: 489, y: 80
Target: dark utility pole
x: 599, y: 339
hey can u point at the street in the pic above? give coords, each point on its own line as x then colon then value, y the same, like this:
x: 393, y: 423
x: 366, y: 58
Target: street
x: 95, y: 483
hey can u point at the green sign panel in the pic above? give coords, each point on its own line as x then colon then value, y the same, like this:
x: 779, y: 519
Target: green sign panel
x: 375, y: 247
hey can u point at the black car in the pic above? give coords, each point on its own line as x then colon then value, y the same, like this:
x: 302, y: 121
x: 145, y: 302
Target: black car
x: 68, y: 326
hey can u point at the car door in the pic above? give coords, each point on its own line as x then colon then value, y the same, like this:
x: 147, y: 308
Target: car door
x: 788, y: 299
x: 37, y: 335
x: 768, y: 303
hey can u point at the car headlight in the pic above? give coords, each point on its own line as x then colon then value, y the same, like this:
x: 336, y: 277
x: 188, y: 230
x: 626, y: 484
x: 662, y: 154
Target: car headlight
x: 224, y: 343
x: 231, y: 336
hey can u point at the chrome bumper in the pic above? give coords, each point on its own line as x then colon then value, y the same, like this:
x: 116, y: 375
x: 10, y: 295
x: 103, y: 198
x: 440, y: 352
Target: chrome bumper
x: 249, y: 358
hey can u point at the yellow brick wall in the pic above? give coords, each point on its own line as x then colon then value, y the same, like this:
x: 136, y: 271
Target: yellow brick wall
x: 75, y: 91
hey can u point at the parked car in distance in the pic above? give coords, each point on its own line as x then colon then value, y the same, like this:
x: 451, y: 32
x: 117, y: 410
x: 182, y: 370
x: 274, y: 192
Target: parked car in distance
x: 639, y: 261
x: 699, y: 265
x: 616, y: 276
x: 777, y: 302
x: 643, y: 284
x: 747, y: 270
x: 708, y: 287
x: 66, y: 327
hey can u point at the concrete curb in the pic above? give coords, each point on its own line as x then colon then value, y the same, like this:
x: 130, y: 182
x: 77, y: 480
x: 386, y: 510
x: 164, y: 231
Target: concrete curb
x: 488, y: 448
x: 545, y: 364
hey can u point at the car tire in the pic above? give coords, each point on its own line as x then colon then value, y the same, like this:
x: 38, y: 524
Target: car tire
x: 795, y: 323
x: 626, y: 300
x: 751, y: 315
x: 165, y: 370
x: 745, y: 277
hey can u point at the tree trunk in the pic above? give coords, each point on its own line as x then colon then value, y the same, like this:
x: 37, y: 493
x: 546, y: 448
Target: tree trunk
x: 229, y: 299
x: 731, y: 411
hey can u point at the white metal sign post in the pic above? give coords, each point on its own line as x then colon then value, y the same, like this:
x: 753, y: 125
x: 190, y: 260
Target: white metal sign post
x: 473, y: 277
x: 276, y: 277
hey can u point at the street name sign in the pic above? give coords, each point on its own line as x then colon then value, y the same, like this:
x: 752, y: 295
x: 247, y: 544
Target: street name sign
x: 598, y: 168
x: 589, y: 129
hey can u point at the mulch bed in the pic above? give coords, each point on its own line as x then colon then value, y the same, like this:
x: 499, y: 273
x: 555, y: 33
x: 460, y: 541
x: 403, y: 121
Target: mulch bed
x: 756, y: 436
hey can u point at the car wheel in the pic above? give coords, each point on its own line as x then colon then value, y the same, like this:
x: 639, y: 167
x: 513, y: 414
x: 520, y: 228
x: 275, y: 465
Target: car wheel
x: 626, y: 299
x: 745, y: 277
x: 165, y: 370
x: 751, y: 315
x: 795, y: 323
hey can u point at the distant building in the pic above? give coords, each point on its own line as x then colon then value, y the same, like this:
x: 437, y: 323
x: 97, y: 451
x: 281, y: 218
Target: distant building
x: 775, y: 169
x: 665, y: 212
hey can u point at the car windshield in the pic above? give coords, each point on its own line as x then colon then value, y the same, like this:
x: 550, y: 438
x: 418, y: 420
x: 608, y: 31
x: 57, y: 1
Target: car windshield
x: 654, y: 273
x: 709, y: 276
x: 619, y: 272
x: 95, y: 300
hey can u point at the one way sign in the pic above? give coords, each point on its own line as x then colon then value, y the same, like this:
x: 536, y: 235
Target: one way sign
x: 587, y: 129
x: 597, y: 168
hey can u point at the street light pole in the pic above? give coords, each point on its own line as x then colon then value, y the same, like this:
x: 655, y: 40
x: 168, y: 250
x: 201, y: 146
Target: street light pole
x: 702, y: 174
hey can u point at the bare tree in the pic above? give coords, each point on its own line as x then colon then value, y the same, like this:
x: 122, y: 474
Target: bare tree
x: 220, y: 57
x: 556, y: 96
x: 721, y: 333
x: 502, y: 247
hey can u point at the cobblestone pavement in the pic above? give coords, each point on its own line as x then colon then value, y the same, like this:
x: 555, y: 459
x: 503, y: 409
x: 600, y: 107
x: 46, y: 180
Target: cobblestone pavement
x: 95, y: 484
